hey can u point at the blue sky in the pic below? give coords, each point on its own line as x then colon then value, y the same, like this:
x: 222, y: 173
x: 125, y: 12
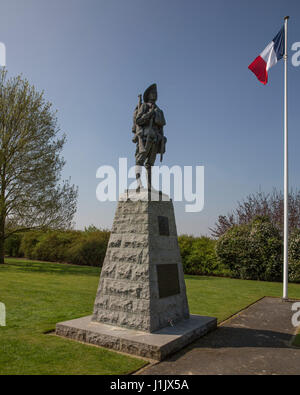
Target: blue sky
x: 93, y: 57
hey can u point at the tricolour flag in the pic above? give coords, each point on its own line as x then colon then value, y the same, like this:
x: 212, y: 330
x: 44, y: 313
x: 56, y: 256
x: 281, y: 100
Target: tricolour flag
x: 268, y: 58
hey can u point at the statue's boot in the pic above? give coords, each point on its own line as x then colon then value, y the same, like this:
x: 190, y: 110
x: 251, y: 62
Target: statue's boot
x: 138, y: 172
x: 149, y: 178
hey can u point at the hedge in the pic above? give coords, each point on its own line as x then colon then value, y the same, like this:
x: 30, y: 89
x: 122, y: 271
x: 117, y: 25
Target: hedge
x: 199, y: 256
x: 294, y: 256
x: 77, y: 247
x: 252, y: 251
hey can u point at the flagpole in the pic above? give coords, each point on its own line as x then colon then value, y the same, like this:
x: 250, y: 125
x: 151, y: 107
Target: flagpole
x: 286, y: 174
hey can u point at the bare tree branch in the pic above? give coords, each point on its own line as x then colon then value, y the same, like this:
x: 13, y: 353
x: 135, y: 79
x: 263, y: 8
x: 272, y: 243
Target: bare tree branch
x: 261, y: 204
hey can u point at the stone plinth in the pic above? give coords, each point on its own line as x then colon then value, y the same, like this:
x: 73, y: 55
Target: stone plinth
x: 135, y: 290
x: 141, y: 295
x: 155, y: 346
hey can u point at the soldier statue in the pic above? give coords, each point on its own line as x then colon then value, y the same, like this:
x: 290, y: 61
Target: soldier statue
x: 148, y: 124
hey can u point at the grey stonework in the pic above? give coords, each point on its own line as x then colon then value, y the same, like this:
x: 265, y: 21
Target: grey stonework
x: 156, y: 345
x: 128, y: 289
x: 129, y: 316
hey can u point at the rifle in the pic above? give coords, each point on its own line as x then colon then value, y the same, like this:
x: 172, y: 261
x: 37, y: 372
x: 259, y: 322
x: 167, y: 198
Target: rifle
x: 162, y: 145
x: 137, y: 134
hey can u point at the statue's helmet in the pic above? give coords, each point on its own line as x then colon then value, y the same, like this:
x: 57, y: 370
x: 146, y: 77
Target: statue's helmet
x: 151, y: 88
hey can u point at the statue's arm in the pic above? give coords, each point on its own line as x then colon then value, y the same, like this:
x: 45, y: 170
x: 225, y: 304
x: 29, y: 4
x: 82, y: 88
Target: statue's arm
x: 143, y: 115
x: 160, y: 118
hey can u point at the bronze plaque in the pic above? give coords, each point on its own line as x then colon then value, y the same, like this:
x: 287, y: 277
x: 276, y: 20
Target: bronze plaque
x: 168, y: 281
x: 163, y: 226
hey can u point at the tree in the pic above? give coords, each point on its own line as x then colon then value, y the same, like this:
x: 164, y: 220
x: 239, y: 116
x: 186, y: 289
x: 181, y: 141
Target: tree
x: 261, y: 204
x: 32, y: 195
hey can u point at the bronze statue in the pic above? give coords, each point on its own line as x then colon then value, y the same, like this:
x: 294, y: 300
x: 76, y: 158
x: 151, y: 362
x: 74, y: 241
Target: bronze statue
x: 148, y: 127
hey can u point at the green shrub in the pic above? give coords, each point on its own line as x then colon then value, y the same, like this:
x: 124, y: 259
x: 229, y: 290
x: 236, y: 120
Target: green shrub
x: 53, y: 245
x: 185, y: 243
x: 294, y: 256
x: 294, y: 246
x: 12, y: 245
x: 294, y: 272
x: 252, y: 251
x: 28, y: 243
x: 78, y: 247
x: 90, y: 248
x: 198, y: 255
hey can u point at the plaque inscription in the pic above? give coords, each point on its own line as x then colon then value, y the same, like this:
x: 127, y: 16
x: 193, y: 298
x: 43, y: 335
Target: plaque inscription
x: 163, y: 226
x: 168, y: 281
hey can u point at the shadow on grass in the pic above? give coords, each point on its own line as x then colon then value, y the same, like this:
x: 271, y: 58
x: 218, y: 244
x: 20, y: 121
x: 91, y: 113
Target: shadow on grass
x: 51, y: 268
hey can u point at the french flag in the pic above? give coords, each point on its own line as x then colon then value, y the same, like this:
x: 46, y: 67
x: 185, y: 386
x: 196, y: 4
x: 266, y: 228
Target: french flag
x: 268, y: 58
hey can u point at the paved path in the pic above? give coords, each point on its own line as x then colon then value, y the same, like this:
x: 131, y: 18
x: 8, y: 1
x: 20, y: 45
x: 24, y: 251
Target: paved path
x: 255, y: 341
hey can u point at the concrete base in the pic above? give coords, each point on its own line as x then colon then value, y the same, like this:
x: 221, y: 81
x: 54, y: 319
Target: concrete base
x: 157, y: 345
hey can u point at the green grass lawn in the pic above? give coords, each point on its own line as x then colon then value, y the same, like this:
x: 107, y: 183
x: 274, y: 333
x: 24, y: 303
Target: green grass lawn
x: 222, y: 297
x: 37, y: 295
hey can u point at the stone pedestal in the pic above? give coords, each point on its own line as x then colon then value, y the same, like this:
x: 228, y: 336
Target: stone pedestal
x: 142, y: 285
x: 141, y: 288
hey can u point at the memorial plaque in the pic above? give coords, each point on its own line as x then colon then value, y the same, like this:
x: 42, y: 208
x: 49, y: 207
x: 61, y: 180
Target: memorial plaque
x: 168, y: 281
x: 163, y: 226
